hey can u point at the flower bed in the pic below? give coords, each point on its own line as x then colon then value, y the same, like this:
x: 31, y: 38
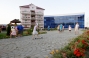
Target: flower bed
x: 75, y: 49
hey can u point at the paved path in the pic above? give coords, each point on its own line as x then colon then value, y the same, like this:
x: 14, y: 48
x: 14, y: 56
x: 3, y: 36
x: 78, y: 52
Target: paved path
x: 39, y: 48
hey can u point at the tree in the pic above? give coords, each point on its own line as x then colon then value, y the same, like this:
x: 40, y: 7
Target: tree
x: 8, y: 30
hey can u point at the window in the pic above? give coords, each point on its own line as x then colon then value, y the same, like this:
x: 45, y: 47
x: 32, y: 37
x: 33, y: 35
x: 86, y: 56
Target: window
x: 25, y: 25
x: 44, y: 19
x: 25, y: 20
x: 28, y: 17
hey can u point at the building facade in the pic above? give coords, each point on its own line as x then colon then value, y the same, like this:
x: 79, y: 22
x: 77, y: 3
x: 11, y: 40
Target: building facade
x: 66, y: 20
x: 30, y: 14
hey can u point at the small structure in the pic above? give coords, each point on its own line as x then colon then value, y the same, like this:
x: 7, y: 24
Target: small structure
x: 15, y: 21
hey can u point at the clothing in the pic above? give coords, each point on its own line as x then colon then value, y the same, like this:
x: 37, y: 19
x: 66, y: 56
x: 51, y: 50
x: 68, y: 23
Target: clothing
x: 13, y: 32
x: 69, y: 28
x: 20, y: 32
x: 48, y: 27
x: 34, y: 30
x: 20, y: 29
x: 61, y: 27
x: 58, y: 28
x: 76, y: 27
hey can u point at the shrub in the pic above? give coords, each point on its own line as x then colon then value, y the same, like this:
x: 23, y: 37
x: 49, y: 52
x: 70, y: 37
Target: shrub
x: 76, y: 48
x: 30, y: 31
x: 8, y: 30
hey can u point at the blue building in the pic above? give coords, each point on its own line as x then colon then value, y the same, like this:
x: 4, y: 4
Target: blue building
x: 54, y: 21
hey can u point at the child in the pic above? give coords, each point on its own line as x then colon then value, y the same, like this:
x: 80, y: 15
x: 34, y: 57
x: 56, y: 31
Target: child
x: 13, y: 32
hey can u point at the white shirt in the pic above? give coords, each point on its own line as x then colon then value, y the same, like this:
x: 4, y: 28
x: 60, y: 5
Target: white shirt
x: 35, y: 28
x: 76, y: 26
x: 69, y: 28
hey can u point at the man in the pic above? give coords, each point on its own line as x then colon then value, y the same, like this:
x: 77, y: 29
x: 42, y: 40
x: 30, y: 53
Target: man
x: 20, y: 30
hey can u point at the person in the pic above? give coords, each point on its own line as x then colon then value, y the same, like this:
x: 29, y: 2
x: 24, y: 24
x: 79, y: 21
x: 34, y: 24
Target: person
x: 61, y: 26
x: 35, y: 32
x: 20, y: 30
x: 16, y: 30
x: 69, y: 28
x: 13, y: 32
x: 48, y: 28
x: 58, y: 27
x: 76, y: 28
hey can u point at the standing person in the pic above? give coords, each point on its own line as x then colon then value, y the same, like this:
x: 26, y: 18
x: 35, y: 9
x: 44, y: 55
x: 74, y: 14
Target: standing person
x: 58, y: 27
x: 69, y: 28
x: 48, y: 28
x: 20, y: 30
x: 35, y: 32
x: 61, y: 26
x: 13, y: 32
x: 76, y: 28
x: 16, y: 30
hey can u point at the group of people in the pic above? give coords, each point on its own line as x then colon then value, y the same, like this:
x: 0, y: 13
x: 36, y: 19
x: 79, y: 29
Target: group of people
x: 61, y: 28
x: 16, y: 30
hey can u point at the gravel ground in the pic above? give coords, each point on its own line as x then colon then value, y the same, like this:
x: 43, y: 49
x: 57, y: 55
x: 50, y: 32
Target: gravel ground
x: 22, y: 47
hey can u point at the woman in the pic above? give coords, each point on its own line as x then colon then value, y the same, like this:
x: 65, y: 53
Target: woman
x: 35, y: 31
x: 76, y: 28
x: 69, y: 28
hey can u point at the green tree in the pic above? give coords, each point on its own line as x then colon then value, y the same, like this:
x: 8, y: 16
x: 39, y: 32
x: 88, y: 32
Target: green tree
x: 8, y: 30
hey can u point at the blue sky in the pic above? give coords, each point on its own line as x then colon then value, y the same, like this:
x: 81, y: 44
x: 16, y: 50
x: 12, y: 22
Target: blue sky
x: 9, y: 9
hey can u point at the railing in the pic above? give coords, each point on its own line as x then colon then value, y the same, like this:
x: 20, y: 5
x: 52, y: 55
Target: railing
x: 26, y: 18
x: 39, y: 14
x: 25, y: 12
x: 32, y: 23
x: 33, y: 18
x: 32, y: 13
x: 26, y: 22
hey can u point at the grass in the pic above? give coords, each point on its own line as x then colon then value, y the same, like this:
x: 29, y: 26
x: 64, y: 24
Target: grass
x: 2, y: 35
x: 25, y: 33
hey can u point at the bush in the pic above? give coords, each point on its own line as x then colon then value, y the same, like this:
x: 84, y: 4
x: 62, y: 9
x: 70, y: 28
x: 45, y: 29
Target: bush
x: 76, y: 48
x: 30, y: 31
x: 42, y: 32
x: 8, y: 30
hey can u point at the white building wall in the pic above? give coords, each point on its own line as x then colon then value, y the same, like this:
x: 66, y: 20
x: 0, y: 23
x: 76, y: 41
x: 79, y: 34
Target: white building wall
x: 86, y: 22
x: 38, y: 12
x: 32, y: 7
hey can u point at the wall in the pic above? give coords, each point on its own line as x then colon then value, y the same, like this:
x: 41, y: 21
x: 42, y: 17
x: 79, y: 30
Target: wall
x: 54, y: 21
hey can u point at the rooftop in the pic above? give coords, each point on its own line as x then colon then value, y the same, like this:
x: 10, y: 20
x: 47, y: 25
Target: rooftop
x: 27, y: 6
